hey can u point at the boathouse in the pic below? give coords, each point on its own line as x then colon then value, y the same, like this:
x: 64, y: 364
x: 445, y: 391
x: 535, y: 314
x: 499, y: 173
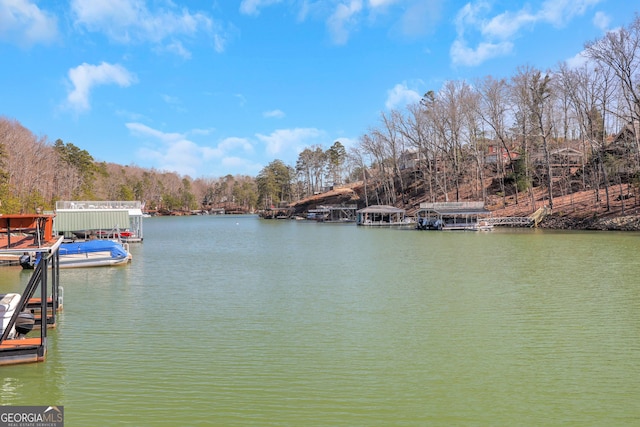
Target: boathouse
x: 333, y: 213
x: 452, y: 216
x: 381, y: 216
x: 110, y: 219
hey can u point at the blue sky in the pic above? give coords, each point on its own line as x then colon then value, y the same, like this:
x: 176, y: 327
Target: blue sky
x: 207, y: 88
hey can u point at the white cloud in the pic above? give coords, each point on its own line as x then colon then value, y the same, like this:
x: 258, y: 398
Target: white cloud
x: 219, y: 42
x: 232, y: 144
x: 343, y: 17
x: 401, y: 96
x: 470, y: 15
x: 173, y: 151
x: 84, y: 77
x: 179, y: 152
x: 290, y: 141
x: 274, y: 114
x: 381, y: 3
x: 130, y: 21
x: 507, y: 24
x: 497, y: 33
x: 577, y: 61
x: 140, y: 129
x: 602, y: 21
x: 559, y: 12
x: 176, y: 153
x: 181, y: 158
x: 343, y: 20
x: 252, y: 7
x: 461, y: 54
x: 22, y: 22
x: 177, y: 48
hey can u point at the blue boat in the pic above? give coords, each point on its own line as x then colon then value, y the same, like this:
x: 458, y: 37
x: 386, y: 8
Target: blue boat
x: 92, y: 253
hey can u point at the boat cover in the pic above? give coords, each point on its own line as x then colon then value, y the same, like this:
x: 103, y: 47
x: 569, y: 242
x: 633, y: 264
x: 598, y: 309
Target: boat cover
x: 8, y: 304
x: 116, y: 249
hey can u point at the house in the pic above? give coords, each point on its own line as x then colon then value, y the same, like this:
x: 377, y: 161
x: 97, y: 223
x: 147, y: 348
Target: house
x: 411, y: 159
x: 496, y: 152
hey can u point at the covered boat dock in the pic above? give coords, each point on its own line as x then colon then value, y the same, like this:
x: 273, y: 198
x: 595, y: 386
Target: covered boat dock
x: 118, y: 220
x: 453, y: 216
x: 333, y: 213
x: 382, y: 216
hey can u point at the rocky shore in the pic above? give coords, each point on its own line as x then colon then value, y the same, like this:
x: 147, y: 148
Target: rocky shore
x: 614, y: 223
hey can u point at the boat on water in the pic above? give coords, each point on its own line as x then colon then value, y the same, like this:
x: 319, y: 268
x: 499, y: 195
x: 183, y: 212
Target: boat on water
x: 92, y: 253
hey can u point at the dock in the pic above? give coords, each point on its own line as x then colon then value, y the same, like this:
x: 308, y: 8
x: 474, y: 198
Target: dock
x: 114, y: 220
x: 471, y: 216
x: 382, y: 216
x: 25, y: 317
x: 333, y: 213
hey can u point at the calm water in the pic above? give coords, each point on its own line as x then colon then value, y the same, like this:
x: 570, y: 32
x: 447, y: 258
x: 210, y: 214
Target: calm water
x: 235, y: 321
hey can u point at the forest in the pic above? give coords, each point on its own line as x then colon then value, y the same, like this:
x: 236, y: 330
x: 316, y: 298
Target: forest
x: 569, y: 129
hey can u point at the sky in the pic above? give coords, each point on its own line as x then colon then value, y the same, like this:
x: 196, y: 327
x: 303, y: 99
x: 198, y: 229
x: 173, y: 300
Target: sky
x: 207, y: 88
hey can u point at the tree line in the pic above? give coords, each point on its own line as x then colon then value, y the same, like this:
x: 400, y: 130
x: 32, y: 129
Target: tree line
x: 567, y: 129
x: 35, y: 173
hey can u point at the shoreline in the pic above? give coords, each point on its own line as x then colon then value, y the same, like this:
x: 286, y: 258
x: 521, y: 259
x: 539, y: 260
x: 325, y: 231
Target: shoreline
x: 615, y: 223
x: 586, y: 210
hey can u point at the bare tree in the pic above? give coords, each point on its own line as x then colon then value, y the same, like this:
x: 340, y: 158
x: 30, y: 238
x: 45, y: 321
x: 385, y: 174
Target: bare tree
x: 415, y: 129
x: 494, y: 110
x: 475, y: 139
x: 620, y: 51
x: 589, y: 91
x: 523, y: 126
x: 393, y: 145
x: 356, y: 155
x: 540, y: 103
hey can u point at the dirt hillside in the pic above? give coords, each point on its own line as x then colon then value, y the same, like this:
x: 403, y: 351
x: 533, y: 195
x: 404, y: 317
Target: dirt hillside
x: 581, y: 210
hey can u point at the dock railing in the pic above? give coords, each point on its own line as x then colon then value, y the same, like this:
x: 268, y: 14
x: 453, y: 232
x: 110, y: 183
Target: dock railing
x: 520, y: 221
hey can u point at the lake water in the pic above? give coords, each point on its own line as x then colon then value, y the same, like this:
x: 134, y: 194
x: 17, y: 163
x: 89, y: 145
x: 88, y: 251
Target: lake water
x: 237, y: 321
